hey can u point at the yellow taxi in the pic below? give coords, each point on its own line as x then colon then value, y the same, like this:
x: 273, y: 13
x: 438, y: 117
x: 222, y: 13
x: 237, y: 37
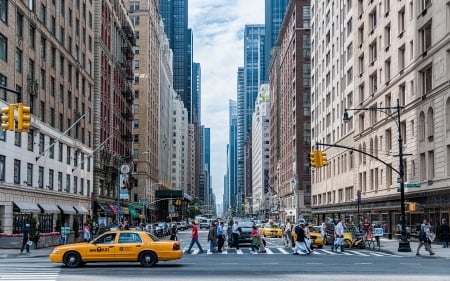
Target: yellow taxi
x: 314, y: 233
x: 270, y: 229
x: 118, y: 246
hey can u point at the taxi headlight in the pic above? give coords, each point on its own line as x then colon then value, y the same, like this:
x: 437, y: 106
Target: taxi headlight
x: 56, y: 251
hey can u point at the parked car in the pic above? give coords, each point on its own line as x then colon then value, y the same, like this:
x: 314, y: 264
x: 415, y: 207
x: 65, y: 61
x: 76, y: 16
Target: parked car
x: 118, y: 246
x: 161, y: 229
x: 181, y: 225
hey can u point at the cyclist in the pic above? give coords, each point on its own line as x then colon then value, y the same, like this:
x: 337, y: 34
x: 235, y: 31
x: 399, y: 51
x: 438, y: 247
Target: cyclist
x: 366, y: 227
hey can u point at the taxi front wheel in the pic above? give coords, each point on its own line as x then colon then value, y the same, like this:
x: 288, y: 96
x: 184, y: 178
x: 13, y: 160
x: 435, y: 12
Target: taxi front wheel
x: 147, y: 259
x: 72, y: 260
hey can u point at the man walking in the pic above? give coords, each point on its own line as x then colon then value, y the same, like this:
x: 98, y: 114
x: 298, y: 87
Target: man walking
x: 235, y: 232
x: 425, y: 231
x: 212, y: 237
x: 194, y: 239
x: 220, y: 237
x: 300, y: 243
x: 288, y: 233
x: 339, y: 236
x: 25, y: 238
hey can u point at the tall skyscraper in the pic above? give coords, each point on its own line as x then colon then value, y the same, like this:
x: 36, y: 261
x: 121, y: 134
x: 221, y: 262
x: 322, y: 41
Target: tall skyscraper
x: 251, y: 76
x: 175, y: 17
x: 231, y: 177
x: 274, y: 15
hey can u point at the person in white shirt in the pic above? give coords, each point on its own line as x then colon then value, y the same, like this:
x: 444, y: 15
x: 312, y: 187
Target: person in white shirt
x: 339, y: 236
x: 235, y: 231
x: 288, y: 233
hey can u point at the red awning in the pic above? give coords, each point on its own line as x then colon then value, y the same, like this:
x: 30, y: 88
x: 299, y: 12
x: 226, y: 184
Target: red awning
x: 112, y: 207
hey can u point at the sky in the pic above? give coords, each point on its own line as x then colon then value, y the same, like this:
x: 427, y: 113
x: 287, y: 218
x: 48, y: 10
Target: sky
x: 218, y: 29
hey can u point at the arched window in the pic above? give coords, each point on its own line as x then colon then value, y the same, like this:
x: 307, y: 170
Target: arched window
x: 365, y: 150
x: 375, y: 146
x: 421, y: 126
x: 430, y: 124
x: 371, y: 147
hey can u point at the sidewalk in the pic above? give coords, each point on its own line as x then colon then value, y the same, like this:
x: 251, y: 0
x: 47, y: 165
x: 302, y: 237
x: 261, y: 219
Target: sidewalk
x: 391, y: 246
x: 15, y: 253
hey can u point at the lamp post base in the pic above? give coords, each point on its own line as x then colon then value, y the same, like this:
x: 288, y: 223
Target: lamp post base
x: 403, y: 245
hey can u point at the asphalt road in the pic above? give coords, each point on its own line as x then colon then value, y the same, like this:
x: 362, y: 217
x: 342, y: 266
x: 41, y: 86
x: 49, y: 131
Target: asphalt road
x: 236, y: 267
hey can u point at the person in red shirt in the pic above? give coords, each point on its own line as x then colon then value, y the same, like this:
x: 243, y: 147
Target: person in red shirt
x: 194, y: 239
x: 366, y: 226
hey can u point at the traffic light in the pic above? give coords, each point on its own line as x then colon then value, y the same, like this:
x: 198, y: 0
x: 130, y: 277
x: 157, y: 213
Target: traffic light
x: 8, y: 118
x: 314, y: 160
x: 24, y: 118
x: 323, y: 158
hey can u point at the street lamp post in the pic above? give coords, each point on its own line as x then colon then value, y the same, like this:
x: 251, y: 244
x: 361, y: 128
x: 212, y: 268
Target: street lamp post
x: 404, y: 245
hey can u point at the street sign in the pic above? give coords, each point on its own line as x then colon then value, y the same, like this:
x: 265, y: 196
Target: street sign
x: 412, y: 185
x: 377, y: 232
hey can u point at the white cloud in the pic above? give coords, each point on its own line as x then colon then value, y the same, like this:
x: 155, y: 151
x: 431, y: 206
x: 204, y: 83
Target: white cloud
x: 218, y: 28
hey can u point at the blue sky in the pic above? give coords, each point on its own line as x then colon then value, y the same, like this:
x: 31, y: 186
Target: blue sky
x: 218, y: 28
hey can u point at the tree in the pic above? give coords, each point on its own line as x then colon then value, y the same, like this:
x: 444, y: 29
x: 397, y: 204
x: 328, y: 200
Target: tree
x: 34, y: 230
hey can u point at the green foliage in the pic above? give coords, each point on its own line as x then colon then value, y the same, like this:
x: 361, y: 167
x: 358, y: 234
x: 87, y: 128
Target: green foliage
x: 76, y: 227
x: 34, y: 230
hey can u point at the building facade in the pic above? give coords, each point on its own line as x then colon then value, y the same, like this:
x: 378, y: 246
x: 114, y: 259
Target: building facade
x: 47, y: 58
x: 401, y: 96
x: 290, y: 120
x: 259, y: 200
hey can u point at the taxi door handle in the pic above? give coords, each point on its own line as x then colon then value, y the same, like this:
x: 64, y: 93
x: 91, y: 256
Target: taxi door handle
x: 110, y: 246
x: 138, y: 246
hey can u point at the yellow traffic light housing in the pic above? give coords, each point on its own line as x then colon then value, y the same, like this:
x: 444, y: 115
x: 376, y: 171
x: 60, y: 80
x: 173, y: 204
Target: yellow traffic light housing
x: 8, y: 118
x: 323, y: 158
x: 24, y: 118
x: 314, y: 160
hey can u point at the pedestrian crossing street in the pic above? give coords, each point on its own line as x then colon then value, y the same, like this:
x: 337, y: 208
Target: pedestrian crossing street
x: 289, y: 251
x: 29, y: 269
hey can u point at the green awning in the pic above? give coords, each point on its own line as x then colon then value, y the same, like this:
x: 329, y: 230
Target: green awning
x: 133, y: 212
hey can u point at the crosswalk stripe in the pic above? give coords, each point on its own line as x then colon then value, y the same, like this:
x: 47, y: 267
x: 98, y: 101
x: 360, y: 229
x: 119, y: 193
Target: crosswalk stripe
x: 269, y: 251
x: 358, y: 253
x: 376, y: 254
x: 239, y: 252
x: 282, y: 250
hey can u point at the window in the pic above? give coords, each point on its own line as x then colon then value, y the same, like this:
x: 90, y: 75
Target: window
x: 30, y: 143
x: 426, y: 76
x: 50, y: 179
x: 19, y: 25
x: 41, y: 177
x: 349, y: 51
x: 68, y: 155
x: 135, y: 20
x: 43, y: 14
x: 425, y: 37
x: 3, y: 47
x: 4, y: 11
x: 60, y: 176
x: 401, y: 58
x: 361, y: 35
x: 373, y: 20
x: 401, y: 22
x: 421, y: 127
x: 32, y: 37
x: 16, y: 171
x: 373, y: 52
x: 134, y: 6
x: 387, y: 70
x: 430, y: 124
x: 387, y: 37
x: 53, y: 26
x: 67, y: 183
x: 2, y: 91
x: 17, y: 139
x: 349, y: 27
x: 19, y: 60
x: 2, y: 168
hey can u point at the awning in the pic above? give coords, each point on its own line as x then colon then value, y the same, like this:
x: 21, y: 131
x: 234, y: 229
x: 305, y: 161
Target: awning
x: 81, y: 210
x: 118, y: 208
x: 104, y: 208
x: 49, y: 208
x: 112, y: 207
x: 27, y: 207
x: 133, y: 212
x: 68, y: 210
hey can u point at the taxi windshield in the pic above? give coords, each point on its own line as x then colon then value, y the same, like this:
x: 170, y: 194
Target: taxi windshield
x: 152, y: 236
